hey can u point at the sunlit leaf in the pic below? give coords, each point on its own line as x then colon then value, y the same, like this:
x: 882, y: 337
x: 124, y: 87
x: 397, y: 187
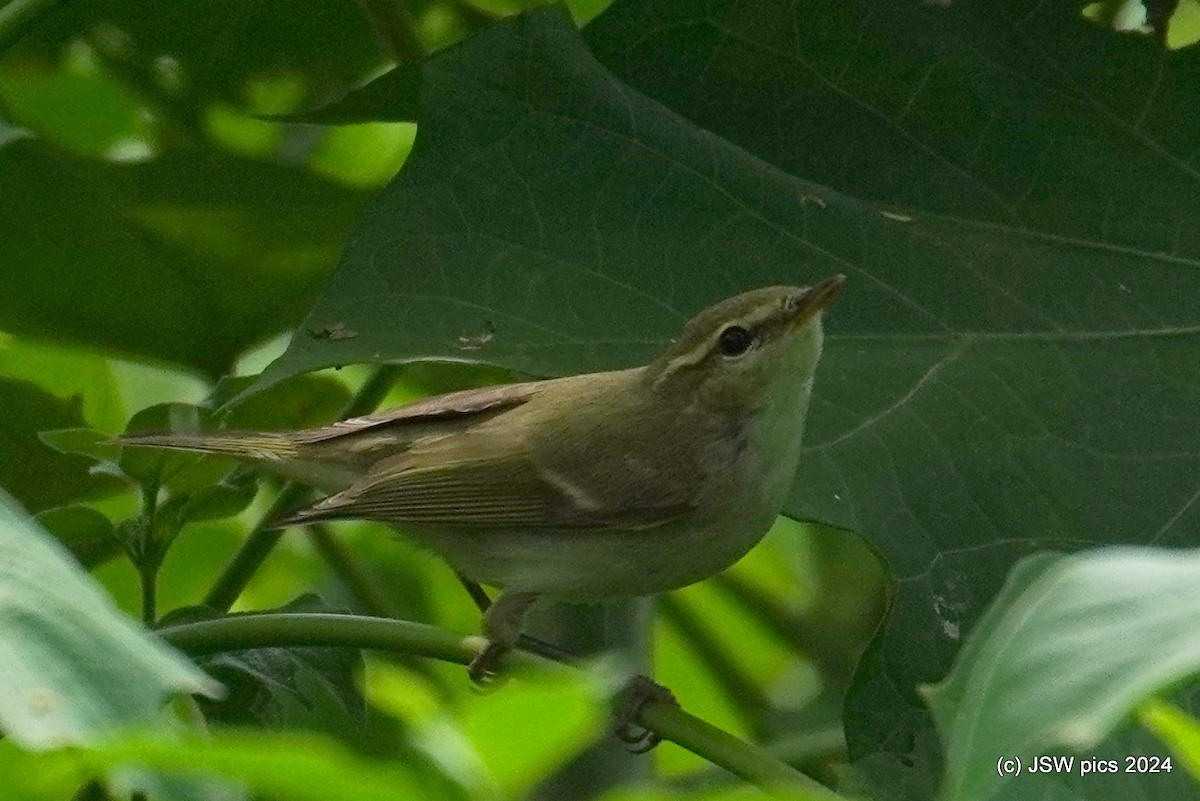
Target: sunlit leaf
x: 74, y: 668
x: 1066, y: 652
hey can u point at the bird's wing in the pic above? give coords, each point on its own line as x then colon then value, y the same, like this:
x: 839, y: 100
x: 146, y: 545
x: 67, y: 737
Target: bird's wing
x: 467, y: 481
x: 466, y: 403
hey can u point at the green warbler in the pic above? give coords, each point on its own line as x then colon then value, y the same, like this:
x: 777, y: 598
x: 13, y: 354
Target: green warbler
x: 583, y: 488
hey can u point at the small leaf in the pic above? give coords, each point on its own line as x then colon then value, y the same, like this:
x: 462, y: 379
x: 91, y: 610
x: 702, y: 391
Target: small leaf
x: 74, y: 667
x: 82, y: 442
x: 300, y: 402
x: 86, y: 533
x: 1068, y: 649
x: 215, y: 501
x: 179, y: 471
x: 313, y: 688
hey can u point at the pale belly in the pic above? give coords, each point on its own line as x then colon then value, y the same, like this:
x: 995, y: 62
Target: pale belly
x: 742, y: 503
x: 585, y: 566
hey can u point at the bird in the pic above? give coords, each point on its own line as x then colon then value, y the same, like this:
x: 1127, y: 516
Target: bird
x: 577, y: 489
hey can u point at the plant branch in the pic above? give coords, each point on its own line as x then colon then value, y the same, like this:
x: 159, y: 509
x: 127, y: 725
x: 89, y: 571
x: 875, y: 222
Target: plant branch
x: 258, y: 545
x: 370, y: 595
x: 364, y: 587
x: 149, y: 579
x: 19, y: 16
x: 293, y: 630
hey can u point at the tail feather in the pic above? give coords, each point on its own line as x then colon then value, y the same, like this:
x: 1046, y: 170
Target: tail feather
x: 255, y: 445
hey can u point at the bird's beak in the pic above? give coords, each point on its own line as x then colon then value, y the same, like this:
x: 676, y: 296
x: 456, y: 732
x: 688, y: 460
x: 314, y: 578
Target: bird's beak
x: 816, y: 298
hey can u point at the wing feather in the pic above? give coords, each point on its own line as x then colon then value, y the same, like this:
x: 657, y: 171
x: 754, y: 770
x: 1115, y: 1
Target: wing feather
x: 465, y: 403
x: 461, y: 482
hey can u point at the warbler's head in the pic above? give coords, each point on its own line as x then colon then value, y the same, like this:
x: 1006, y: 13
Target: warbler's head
x: 748, y: 347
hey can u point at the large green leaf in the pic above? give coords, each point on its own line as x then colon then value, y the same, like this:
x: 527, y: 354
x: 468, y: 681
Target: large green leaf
x: 215, y: 766
x: 1042, y: 387
x: 1014, y: 361
x: 1068, y: 650
x: 74, y: 668
x: 191, y: 257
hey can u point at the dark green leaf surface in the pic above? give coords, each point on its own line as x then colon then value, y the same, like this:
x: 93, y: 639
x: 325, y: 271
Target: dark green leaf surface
x: 1045, y: 383
x: 74, y: 668
x: 202, y: 255
x: 1013, y: 364
x: 30, y: 469
x: 86, y: 533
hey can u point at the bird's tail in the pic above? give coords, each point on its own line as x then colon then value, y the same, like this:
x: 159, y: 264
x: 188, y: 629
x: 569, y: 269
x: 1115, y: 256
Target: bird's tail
x: 301, y: 517
x: 253, y: 445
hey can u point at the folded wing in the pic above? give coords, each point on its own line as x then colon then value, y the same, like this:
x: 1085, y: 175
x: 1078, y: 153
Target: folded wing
x: 474, y: 480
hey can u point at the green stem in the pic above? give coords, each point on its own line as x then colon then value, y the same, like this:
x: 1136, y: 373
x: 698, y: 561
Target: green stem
x: 19, y: 16
x: 254, y: 550
x: 298, y: 630
x: 149, y: 577
x: 812, y: 747
x: 370, y: 595
x: 361, y: 584
x: 258, y: 545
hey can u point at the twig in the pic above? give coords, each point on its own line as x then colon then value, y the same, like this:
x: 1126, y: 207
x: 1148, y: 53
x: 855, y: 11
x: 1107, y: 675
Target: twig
x: 363, y: 585
x: 297, y: 630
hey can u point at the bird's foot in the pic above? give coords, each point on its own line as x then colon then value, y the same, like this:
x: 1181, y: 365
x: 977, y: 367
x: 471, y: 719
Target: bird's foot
x: 484, y: 668
x: 636, y: 694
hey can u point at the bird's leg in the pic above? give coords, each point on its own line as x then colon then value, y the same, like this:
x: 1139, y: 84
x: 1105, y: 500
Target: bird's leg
x: 476, y: 591
x: 640, y: 690
x: 502, y: 622
x: 531, y: 644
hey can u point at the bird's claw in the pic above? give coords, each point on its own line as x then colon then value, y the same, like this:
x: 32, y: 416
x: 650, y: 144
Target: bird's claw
x: 483, y: 668
x: 635, y: 695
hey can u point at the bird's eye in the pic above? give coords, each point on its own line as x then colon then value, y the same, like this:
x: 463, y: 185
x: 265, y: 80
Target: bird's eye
x: 735, y: 341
